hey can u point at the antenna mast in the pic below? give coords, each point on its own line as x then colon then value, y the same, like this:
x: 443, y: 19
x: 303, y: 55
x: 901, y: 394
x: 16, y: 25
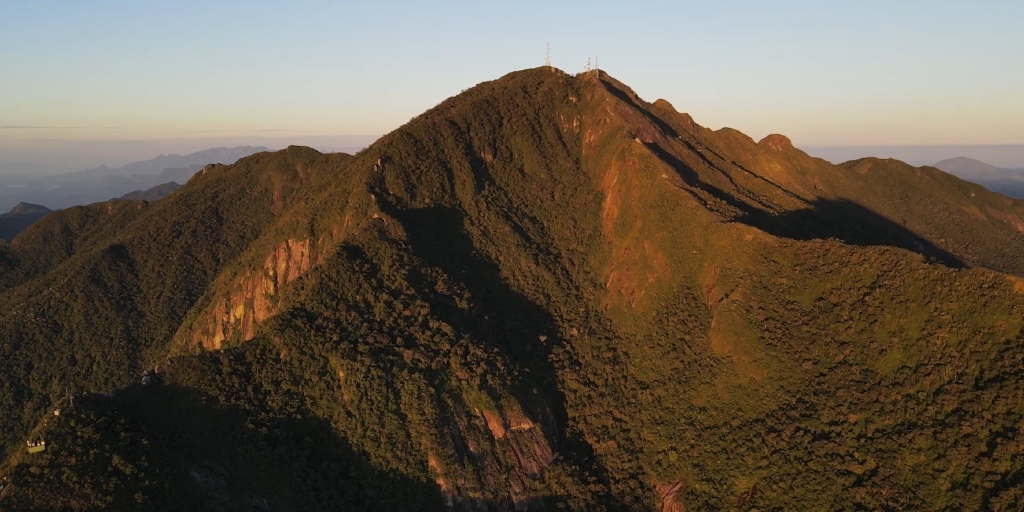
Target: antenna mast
x: 547, y: 58
x: 587, y: 67
x: 597, y: 69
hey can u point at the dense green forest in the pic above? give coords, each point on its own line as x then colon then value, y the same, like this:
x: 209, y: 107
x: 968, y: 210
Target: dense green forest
x: 542, y: 294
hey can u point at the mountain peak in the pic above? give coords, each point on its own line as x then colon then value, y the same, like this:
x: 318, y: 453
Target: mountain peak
x: 776, y: 142
x: 28, y: 209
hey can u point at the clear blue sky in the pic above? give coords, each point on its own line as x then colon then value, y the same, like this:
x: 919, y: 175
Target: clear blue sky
x: 845, y: 73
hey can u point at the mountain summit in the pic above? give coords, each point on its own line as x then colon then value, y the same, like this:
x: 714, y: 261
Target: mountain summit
x: 544, y: 293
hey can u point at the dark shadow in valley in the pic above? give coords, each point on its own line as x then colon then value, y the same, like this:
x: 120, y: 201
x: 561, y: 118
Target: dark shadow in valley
x: 852, y: 224
x: 182, y: 448
x: 523, y: 332
x: 207, y: 453
x: 839, y: 219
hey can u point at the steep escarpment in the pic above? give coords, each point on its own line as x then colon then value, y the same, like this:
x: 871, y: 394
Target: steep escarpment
x: 544, y: 293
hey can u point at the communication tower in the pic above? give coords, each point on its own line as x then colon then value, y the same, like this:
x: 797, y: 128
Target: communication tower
x: 547, y: 57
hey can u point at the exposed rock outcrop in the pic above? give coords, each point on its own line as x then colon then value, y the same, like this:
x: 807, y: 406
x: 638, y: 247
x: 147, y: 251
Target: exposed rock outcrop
x: 496, y: 448
x: 255, y: 297
x: 668, y: 493
x: 776, y: 142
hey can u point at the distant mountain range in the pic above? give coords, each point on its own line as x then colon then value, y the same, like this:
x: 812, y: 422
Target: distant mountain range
x: 1009, y: 182
x: 102, y: 183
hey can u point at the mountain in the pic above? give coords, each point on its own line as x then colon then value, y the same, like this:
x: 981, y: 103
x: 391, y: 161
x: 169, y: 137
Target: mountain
x: 102, y: 183
x: 544, y: 293
x: 1002, y: 155
x: 157, y: 192
x: 1005, y: 181
x: 19, y: 218
x: 28, y: 209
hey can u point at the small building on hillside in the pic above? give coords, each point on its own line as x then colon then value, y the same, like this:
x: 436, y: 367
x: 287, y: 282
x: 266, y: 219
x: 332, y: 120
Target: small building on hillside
x: 36, y: 446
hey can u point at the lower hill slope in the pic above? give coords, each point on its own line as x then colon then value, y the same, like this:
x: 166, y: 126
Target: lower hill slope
x: 93, y: 294
x: 542, y: 294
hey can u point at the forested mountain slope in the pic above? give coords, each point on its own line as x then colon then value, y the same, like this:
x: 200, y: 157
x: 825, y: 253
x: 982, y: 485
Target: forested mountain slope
x: 544, y: 293
x: 93, y: 294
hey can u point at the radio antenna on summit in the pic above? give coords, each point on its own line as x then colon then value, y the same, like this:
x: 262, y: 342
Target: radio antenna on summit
x: 547, y: 57
x: 587, y: 67
x: 597, y: 69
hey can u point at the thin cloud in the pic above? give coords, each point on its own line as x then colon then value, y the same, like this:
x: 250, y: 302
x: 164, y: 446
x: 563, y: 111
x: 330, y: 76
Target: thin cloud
x: 273, y: 130
x: 30, y: 127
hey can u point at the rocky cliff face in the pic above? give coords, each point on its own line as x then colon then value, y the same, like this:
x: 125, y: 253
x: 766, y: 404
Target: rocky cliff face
x: 513, y: 444
x: 255, y: 297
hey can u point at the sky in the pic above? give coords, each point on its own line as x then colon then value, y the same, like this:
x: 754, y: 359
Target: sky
x: 89, y: 82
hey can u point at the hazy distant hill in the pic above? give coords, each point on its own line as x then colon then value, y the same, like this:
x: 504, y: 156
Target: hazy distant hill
x: 157, y: 192
x: 102, y: 183
x: 19, y: 218
x: 156, y: 165
x: 1010, y: 156
x: 542, y: 294
x: 997, y: 179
